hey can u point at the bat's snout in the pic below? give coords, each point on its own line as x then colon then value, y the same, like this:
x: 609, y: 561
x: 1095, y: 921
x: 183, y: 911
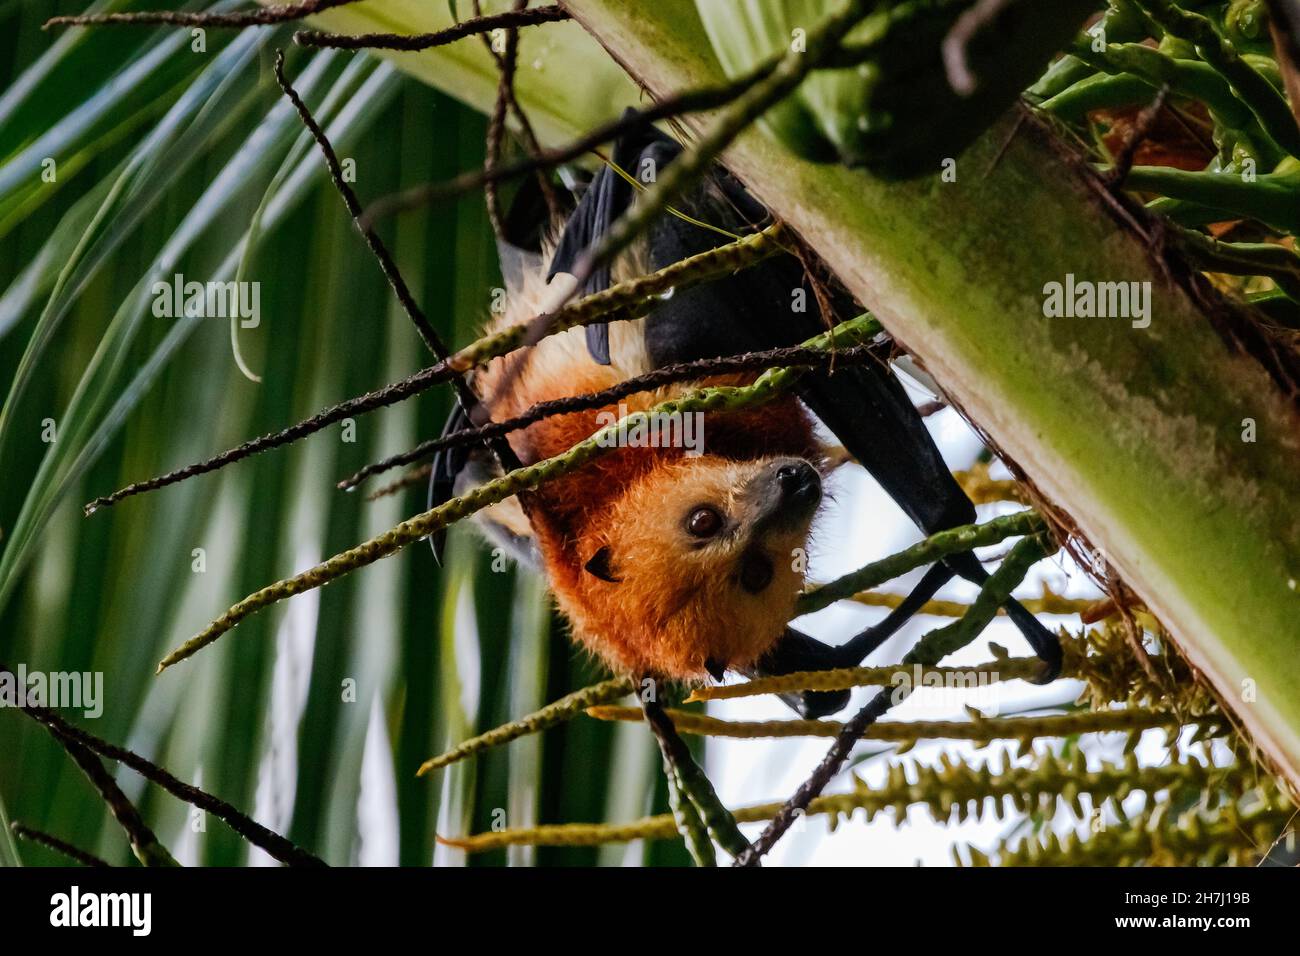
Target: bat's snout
x: 787, y: 494
x: 799, y: 484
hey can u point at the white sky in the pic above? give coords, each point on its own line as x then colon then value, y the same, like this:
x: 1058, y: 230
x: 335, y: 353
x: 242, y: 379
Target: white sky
x: 860, y: 525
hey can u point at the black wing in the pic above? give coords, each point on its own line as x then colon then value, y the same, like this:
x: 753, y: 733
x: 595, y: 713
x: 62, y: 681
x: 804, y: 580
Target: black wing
x: 764, y: 307
x: 446, y: 467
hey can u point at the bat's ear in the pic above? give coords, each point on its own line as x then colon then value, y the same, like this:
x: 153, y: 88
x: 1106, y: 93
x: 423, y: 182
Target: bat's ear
x: 599, y: 565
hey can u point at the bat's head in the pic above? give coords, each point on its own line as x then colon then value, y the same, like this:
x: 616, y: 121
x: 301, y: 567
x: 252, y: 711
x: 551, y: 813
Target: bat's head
x: 696, y: 566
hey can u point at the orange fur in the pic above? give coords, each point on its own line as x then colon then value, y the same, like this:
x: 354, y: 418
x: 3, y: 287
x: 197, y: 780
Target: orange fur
x: 677, y: 603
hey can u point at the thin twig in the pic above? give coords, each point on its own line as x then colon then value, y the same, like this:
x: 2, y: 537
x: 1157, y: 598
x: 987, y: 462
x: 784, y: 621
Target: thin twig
x: 273, y: 843
x: 144, y: 843
x: 416, y: 476
x: 929, y: 650
x: 1137, y: 136
x: 497, y: 124
x: 511, y: 19
x: 934, y: 548
x: 627, y: 300
x: 507, y: 63
x: 257, y: 17
x: 505, y: 455
x: 24, y: 832
x: 388, y: 395
x: 380, y: 251
x: 794, y: 356
x: 690, y: 102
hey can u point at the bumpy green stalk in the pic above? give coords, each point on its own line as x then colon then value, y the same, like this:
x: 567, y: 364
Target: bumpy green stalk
x: 1190, y: 78
x: 1268, y: 105
x: 1273, y: 198
x: 1277, y: 262
x: 689, y: 824
x: 846, y: 678
x: 1120, y: 23
x: 982, y: 731
x: 946, y: 640
x: 632, y: 298
x: 547, y: 717
x: 698, y: 803
x: 1049, y: 603
x: 716, y: 818
x: 950, y: 788
x: 1237, y: 834
x: 1103, y: 660
x: 933, y: 548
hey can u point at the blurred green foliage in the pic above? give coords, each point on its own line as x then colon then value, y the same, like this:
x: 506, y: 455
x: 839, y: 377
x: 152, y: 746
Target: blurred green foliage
x: 162, y: 156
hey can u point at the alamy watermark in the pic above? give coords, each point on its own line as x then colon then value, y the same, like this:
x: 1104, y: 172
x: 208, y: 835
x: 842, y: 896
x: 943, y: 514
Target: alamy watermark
x: 1084, y: 299
x: 661, y: 430
x: 208, y: 300
x: 947, y: 690
x: 74, y: 690
x: 133, y: 911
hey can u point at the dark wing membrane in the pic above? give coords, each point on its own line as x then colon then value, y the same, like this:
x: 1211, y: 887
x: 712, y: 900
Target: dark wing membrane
x: 795, y: 651
x: 458, y: 470
x: 768, y: 306
x: 447, y: 465
x: 640, y: 154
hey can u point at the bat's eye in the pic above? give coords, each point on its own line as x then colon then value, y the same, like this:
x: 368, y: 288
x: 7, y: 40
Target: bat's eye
x: 704, y: 522
x: 755, y: 572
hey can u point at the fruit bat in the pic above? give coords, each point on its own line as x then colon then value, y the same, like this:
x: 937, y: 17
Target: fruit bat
x: 678, y: 564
